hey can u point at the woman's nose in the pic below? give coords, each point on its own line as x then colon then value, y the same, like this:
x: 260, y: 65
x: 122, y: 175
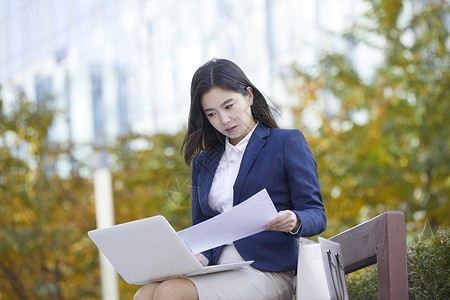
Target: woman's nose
x: 225, y: 118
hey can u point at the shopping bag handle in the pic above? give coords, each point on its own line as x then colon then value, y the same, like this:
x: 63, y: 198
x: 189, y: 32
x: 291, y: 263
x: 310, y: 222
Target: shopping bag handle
x: 341, y: 275
x: 337, y: 272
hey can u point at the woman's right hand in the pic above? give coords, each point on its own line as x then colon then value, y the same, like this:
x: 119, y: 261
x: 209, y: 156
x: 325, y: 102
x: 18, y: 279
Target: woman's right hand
x: 202, y: 259
x: 285, y: 220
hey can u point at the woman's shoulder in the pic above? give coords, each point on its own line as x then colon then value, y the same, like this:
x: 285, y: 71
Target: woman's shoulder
x: 285, y: 132
x: 287, y: 137
x: 209, y: 153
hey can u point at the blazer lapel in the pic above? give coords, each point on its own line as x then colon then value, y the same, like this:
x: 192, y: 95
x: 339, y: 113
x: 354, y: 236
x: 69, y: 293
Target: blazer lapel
x: 255, y: 145
x: 206, y: 175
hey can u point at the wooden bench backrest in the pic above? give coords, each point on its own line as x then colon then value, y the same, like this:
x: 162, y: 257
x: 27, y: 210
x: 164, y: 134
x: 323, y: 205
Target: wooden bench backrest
x: 381, y: 240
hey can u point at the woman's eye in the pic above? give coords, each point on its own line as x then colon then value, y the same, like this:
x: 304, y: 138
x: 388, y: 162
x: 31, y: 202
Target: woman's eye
x: 211, y: 114
x: 228, y: 106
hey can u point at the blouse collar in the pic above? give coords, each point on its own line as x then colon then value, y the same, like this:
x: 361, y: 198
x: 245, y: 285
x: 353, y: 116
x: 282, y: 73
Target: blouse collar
x: 240, y: 147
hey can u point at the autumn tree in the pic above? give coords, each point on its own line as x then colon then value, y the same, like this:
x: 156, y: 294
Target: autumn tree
x: 45, y: 252
x: 149, y: 177
x: 383, y: 142
x: 45, y: 213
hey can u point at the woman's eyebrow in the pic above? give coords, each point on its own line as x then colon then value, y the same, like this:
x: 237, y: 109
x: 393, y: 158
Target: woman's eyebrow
x: 224, y: 103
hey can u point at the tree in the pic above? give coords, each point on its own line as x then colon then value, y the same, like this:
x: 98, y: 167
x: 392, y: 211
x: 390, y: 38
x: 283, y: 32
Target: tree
x: 383, y: 143
x: 46, y: 253
x: 150, y: 178
x: 45, y: 216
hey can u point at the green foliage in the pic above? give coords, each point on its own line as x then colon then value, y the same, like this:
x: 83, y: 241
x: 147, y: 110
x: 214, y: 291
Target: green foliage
x: 45, y: 251
x: 150, y: 178
x: 45, y: 216
x: 428, y: 269
x: 397, y: 157
x: 429, y: 266
x: 363, y: 284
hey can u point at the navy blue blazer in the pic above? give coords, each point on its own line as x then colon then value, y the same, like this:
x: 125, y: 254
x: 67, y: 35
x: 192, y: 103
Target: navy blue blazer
x: 280, y: 161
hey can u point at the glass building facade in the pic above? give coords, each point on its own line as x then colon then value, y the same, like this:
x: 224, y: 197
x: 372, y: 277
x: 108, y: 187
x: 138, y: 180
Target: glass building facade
x: 119, y: 66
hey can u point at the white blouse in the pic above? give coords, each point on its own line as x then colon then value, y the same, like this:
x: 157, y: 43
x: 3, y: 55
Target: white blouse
x: 220, y: 197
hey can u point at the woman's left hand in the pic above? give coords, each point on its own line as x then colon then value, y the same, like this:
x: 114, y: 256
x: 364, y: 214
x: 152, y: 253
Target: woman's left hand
x: 285, y: 221
x: 202, y: 259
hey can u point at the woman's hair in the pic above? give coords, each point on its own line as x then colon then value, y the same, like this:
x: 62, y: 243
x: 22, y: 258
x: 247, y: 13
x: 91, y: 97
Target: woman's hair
x: 227, y: 75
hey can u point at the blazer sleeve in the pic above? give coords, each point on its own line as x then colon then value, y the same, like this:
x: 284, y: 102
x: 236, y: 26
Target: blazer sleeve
x: 197, y: 214
x: 303, y: 180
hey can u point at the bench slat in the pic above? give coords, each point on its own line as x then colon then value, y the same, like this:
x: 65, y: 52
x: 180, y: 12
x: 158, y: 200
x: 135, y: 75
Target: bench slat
x: 380, y: 240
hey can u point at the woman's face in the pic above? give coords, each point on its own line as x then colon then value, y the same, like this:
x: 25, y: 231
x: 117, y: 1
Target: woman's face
x: 229, y: 112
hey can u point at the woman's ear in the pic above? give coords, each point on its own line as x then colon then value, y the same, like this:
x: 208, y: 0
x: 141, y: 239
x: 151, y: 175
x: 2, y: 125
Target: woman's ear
x: 250, y: 95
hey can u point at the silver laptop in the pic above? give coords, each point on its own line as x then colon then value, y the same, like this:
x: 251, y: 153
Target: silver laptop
x: 150, y: 250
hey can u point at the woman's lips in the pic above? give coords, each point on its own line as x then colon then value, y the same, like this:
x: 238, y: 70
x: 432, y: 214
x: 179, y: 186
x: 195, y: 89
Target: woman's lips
x: 231, y: 129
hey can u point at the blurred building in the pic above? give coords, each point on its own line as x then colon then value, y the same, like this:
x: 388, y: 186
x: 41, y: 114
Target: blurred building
x: 119, y: 66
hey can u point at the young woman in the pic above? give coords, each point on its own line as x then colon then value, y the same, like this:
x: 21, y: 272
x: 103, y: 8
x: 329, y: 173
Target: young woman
x: 236, y: 149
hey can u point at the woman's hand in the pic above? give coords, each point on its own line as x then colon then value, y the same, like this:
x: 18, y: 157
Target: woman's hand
x: 202, y: 259
x: 285, y: 220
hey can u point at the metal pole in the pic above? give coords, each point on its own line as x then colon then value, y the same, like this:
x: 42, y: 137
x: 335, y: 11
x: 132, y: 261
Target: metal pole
x: 104, y: 213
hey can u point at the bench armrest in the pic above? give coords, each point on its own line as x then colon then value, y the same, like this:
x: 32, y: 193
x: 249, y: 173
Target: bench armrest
x: 380, y: 240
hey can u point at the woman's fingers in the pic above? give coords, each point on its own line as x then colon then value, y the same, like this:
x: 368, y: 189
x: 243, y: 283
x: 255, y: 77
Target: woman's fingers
x: 285, y: 220
x: 202, y: 259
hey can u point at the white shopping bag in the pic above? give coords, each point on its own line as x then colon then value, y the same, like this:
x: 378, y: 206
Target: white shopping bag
x: 320, y: 271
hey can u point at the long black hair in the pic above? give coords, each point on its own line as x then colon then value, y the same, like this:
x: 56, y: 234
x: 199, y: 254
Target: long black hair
x: 227, y: 75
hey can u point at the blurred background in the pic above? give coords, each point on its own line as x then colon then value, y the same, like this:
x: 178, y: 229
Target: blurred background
x: 92, y: 87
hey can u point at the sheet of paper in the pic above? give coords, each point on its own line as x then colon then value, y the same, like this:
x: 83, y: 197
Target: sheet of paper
x: 244, y: 219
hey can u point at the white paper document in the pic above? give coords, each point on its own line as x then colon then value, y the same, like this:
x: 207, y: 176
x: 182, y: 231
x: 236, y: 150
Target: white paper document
x: 244, y: 219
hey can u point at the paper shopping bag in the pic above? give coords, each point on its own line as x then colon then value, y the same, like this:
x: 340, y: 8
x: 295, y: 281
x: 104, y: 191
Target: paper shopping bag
x: 320, y: 271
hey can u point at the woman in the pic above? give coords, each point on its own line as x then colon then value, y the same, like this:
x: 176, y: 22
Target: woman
x: 236, y: 149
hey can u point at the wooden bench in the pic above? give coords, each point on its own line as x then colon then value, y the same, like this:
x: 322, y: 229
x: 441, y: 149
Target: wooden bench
x: 381, y: 241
